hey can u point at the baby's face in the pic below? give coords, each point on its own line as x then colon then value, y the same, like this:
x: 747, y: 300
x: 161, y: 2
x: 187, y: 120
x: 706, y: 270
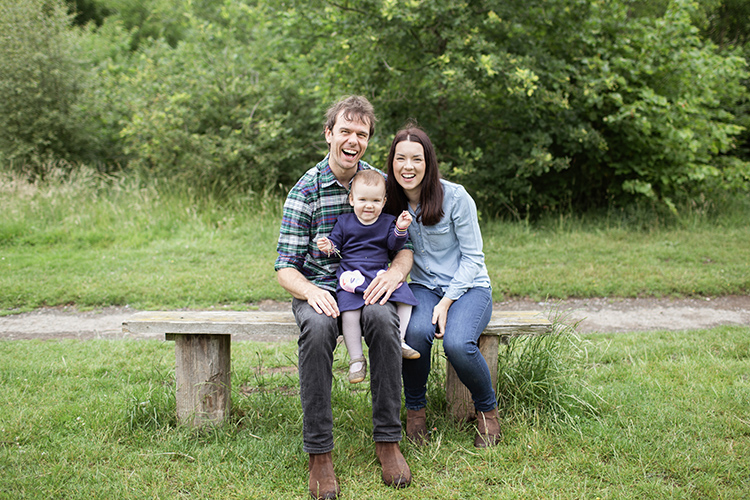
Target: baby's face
x: 368, y: 201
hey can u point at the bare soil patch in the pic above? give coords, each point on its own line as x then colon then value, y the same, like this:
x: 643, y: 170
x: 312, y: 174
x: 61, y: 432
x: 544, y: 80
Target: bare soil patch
x: 592, y: 315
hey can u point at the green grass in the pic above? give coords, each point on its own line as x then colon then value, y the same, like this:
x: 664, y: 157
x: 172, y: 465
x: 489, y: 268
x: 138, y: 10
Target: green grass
x: 642, y: 415
x: 667, y: 415
x: 95, y: 241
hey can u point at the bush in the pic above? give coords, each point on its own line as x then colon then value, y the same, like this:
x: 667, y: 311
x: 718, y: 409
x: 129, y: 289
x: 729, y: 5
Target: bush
x: 39, y: 84
x: 214, y: 110
x: 545, y: 104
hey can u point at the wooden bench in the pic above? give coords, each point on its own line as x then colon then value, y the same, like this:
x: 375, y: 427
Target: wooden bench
x: 203, y: 353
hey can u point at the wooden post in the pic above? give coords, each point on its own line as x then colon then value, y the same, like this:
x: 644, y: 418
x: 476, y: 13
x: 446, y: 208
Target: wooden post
x: 203, y: 378
x: 460, y: 405
x: 504, y: 324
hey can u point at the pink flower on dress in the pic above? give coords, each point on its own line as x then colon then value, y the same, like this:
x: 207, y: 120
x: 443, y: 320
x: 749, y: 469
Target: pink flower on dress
x: 350, y: 280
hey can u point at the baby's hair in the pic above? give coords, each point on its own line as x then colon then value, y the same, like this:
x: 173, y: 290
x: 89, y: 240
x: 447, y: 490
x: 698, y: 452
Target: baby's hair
x: 370, y: 177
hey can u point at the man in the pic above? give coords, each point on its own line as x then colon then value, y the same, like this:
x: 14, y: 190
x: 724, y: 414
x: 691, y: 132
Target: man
x: 310, y: 211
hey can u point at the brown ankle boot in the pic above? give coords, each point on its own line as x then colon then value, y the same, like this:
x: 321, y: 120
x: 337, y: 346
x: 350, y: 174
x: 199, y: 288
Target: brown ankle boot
x: 488, y: 429
x: 396, y: 471
x: 323, y: 483
x: 416, y: 426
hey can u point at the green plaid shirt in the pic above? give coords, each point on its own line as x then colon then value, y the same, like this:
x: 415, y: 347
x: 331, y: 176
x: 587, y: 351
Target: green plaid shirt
x: 310, y: 211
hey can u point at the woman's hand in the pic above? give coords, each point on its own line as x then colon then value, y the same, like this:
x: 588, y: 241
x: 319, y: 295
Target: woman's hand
x: 440, y: 316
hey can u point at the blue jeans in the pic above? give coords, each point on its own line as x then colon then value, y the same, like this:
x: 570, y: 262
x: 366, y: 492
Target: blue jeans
x: 317, y: 341
x: 467, y: 318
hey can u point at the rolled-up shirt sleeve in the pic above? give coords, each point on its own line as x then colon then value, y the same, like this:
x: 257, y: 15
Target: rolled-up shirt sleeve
x: 294, y: 234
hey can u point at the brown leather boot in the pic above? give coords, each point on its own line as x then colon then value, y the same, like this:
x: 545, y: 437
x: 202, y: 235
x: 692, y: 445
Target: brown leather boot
x: 396, y: 471
x: 488, y: 429
x: 416, y: 426
x: 323, y: 483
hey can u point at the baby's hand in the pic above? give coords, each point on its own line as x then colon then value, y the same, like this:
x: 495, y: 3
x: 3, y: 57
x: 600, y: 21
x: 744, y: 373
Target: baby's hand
x: 404, y: 221
x: 325, y: 245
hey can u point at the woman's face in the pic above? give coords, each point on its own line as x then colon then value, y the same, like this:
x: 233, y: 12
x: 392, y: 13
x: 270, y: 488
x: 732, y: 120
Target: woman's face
x: 409, y: 168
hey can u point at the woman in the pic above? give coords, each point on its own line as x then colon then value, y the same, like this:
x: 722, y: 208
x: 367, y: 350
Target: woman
x: 449, y: 280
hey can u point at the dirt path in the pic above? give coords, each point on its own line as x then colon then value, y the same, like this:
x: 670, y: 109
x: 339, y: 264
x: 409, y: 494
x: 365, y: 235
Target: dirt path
x: 595, y: 315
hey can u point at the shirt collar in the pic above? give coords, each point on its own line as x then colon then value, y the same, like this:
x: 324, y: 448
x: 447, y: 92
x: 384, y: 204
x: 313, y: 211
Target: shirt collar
x: 326, y: 174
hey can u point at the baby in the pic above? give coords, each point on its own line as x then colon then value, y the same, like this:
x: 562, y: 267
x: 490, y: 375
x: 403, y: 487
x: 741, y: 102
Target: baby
x: 363, y: 240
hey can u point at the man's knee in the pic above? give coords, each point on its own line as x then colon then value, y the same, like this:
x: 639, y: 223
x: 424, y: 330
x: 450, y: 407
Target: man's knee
x: 379, y: 320
x: 379, y: 314
x: 315, y: 327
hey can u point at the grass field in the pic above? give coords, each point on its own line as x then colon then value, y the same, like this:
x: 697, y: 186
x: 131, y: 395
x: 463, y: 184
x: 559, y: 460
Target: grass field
x: 667, y: 415
x: 94, y: 241
x: 610, y: 416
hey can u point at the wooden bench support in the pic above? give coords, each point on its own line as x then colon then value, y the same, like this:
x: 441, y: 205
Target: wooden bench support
x: 502, y: 326
x: 202, y: 371
x: 203, y: 353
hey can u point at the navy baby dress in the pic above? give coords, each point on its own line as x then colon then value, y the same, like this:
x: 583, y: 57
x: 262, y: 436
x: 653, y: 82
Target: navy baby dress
x: 364, y: 254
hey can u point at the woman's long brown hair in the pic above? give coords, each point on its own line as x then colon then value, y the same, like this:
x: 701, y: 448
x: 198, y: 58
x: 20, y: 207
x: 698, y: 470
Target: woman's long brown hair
x: 431, y: 196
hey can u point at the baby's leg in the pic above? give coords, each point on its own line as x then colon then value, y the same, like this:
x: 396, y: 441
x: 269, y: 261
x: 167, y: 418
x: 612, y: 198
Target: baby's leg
x: 353, y: 340
x: 404, y: 315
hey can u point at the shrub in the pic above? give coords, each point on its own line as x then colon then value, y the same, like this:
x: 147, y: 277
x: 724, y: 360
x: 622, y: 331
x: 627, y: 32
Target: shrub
x: 39, y: 84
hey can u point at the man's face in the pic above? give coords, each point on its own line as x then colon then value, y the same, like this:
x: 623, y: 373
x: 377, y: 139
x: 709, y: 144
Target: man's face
x: 348, y: 143
x: 368, y: 201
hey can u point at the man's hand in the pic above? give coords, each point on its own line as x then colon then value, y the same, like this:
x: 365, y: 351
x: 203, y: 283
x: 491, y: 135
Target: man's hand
x: 386, y: 283
x: 383, y: 286
x: 295, y: 283
x: 323, y: 302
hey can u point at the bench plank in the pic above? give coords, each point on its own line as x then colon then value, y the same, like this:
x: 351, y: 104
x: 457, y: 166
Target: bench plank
x: 212, y: 322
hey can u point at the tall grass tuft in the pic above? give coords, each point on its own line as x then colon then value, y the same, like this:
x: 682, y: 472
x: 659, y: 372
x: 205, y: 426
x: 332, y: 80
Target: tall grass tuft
x: 535, y: 375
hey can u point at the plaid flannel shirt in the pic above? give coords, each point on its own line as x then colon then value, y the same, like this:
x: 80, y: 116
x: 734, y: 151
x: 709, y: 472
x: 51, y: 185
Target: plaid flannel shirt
x: 310, y: 211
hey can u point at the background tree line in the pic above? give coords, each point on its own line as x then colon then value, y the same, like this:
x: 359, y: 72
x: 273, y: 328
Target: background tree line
x: 533, y: 104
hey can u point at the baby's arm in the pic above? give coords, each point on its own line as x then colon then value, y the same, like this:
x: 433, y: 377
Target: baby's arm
x: 399, y: 234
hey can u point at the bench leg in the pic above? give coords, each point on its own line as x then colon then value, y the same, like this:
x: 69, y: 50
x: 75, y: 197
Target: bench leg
x: 203, y: 378
x: 460, y: 405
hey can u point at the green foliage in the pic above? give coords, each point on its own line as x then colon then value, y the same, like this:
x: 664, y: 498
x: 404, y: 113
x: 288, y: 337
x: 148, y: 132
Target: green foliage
x: 533, y: 105
x: 96, y: 420
x: 214, y: 110
x: 550, y: 104
x: 535, y: 375
x: 39, y: 85
x: 96, y: 239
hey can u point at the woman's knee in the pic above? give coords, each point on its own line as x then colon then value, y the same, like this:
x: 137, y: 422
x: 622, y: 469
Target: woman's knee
x: 456, y: 347
x: 419, y: 337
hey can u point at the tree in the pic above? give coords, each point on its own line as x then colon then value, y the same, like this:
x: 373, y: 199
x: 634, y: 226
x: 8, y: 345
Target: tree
x: 534, y: 104
x: 39, y: 84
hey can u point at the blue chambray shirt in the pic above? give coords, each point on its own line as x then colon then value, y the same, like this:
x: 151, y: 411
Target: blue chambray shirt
x: 449, y: 254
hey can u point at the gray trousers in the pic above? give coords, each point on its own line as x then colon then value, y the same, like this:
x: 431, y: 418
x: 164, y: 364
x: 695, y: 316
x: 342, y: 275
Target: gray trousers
x: 317, y: 341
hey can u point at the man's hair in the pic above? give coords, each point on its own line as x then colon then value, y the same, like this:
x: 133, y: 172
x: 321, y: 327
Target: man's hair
x: 355, y: 107
x: 369, y: 176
